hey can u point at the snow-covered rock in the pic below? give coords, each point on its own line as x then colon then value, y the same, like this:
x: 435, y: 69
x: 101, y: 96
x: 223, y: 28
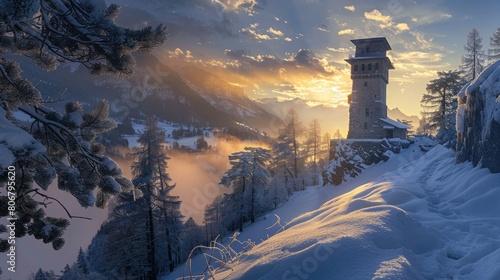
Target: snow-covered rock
x: 479, y: 134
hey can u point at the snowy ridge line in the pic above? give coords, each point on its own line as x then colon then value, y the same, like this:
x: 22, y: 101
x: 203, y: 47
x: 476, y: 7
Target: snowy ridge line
x: 302, y: 203
x: 412, y: 227
x: 431, y: 219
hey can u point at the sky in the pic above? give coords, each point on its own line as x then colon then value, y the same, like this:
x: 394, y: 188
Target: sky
x: 288, y: 49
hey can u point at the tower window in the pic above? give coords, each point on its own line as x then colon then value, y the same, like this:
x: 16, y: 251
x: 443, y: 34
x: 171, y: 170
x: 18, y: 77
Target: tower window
x: 365, y: 125
x: 368, y: 49
x: 367, y: 112
x: 362, y: 67
x: 356, y: 67
x: 370, y: 67
x: 376, y: 66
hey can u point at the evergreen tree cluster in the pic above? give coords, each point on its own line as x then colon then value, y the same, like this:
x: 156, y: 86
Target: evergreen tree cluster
x: 260, y: 179
x: 440, y: 102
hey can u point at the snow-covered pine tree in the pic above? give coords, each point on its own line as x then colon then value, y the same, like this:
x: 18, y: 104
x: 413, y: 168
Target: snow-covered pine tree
x: 82, y: 262
x: 59, y: 145
x: 142, y: 235
x: 150, y: 176
x: 494, y: 50
x: 286, y: 151
x: 213, y: 220
x: 75, y: 273
x: 313, y: 150
x: 192, y: 235
x: 313, y: 140
x: 247, y: 175
x: 440, y: 105
x: 43, y: 275
x: 473, y: 58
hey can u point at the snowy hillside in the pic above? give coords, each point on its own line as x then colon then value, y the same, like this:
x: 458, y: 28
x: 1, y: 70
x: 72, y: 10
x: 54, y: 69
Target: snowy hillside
x: 423, y: 218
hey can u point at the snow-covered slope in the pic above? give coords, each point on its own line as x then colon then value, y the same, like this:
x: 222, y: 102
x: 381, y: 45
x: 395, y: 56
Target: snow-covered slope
x: 421, y: 219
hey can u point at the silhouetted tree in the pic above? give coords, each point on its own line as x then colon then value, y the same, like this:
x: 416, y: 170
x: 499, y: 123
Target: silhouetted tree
x: 473, y: 58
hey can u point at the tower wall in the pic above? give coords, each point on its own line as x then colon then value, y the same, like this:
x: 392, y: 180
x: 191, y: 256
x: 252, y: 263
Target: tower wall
x: 370, y: 76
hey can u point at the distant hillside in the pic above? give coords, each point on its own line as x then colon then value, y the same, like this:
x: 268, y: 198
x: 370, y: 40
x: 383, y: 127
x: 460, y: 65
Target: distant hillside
x: 194, y: 96
x: 396, y: 114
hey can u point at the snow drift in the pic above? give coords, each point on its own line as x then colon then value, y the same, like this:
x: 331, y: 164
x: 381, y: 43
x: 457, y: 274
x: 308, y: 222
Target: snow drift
x: 429, y: 219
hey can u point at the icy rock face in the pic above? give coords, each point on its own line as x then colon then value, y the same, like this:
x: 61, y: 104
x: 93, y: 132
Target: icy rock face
x: 480, y: 139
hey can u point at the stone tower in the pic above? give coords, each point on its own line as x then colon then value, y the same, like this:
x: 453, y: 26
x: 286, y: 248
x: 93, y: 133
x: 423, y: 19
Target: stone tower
x: 367, y: 103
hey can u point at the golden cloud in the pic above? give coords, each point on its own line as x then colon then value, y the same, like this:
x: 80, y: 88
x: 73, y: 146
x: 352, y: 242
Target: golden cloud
x: 346, y: 32
x: 376, y: 15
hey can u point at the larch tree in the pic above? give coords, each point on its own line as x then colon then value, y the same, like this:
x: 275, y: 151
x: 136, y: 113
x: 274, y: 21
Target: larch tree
x: 59, y: 144
x: 494, y: 50
x: 473, y: 58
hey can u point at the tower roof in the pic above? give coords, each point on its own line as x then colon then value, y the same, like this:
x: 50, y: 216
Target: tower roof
x: 372, y: 41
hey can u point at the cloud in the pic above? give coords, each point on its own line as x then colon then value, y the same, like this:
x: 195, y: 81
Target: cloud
x: 418, y: 57
x: 339, y: 50
x: 350, y: 8
x: 255, y: 35
x: 346, y: 32
x: 430, y: 17
x: 178, y: 53
x: 323, y: 28
x: 288, y: 39
x: 304, y: 61
x: 198, y: 18
x: 402, y: 26
x: 422, y: 42
x: 376, y: 15
x: 386, y: 21
x: 275, y: 32
x: 248, y: 6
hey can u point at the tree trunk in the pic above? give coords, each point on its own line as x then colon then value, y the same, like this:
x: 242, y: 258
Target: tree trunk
x: 169, y: 246
x: 151, y: 240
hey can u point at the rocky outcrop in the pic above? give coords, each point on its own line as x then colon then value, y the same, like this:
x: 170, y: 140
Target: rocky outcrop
x: 348, y: 158
x: 479, y: 130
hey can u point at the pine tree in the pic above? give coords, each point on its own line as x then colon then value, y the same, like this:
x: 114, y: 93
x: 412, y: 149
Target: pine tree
x: 313, y: 140
x: 473, y: 59
x: 59, y: 144
x: 212, y: 220
x: 142, y: 235
x: 440, y: 104
x: 150, y: 163
x: 247, y: 175
x: 83, y: 264
x: 44, y: 275
x: 494, y: 51
x: 286, y: 149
